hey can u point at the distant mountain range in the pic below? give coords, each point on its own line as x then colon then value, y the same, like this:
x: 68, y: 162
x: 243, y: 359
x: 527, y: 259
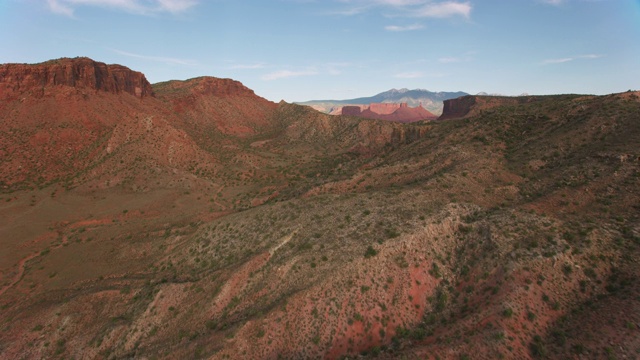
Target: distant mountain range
x: 430, y: 100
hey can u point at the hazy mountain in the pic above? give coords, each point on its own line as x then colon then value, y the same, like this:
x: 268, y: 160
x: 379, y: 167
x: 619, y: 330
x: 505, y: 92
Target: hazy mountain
x: 432, y: 101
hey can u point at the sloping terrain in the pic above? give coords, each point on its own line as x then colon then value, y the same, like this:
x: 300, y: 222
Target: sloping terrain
x: 282, y: 232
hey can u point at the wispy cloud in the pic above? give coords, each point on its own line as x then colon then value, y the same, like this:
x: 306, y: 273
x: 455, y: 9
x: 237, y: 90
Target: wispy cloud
x: 352, y: 10
x: 590, y: 56
x: 166, y: 60
x: 144, y: 7
x: 557, y: 61
x: 410, y: 8
x: 444, y: 9
x: 332, y: 68
x: 284, y: 74
x: 176, y: 6
x: 404, y: 28
x: 399, y: 2
x: 568, y: 59
x: 554, y: 2
x: 59, y: 8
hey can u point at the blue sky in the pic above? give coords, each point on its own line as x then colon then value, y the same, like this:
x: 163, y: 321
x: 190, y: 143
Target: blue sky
x: 300, y: 50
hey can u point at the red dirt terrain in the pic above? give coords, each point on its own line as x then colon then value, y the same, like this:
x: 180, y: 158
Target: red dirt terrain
x: 194, y: 219
x: 223, y: 103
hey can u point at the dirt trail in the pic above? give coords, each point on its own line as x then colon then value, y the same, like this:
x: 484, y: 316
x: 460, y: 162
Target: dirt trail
x: 237, y: 282
x: 18, y: 277
x: 283, y: 242
x: 21, y: 264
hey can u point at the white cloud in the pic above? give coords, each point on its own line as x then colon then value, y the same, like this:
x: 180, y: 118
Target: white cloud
x: 283, y: 74
x: 554, y: 2
x: 167, y: 60
x: 176, y: 6
x: 145, y: 7
x: 557, y: 61
x: 59, y: 8
x: 568, y: 59
x: 411, y: 8
x: 350, y: 12
x: 451, y: 59
x: 590, y: 56
x: 444, y: 9
x: 404, y: 28
x: 399, y: 2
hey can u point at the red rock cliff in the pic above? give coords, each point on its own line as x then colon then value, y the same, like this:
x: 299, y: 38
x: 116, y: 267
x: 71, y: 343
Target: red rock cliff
x: 351, y: 110
x: 82, y: 73
x: 389, y: 111
x: 385, y: 108
x: 471, y: 105
x: 458, y: 107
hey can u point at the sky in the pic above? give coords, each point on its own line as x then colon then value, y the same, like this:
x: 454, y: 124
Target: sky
x: 298, y: 50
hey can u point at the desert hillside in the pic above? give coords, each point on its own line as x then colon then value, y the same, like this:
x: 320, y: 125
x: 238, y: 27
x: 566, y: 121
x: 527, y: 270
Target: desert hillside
x: 195, y: 219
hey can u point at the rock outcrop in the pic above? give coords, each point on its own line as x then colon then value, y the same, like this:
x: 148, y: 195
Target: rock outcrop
x: 466, y: 106
x: 399, y: 112
x: 457, y: 108
x: 386, y: 108
x: 205, y: 85
x: 82, y: 73
x: 352, y: 110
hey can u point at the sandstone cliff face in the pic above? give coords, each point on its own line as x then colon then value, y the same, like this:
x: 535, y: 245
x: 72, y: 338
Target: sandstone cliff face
x: 470, y: 105
x: 457, y: 108
x: 351, y: 110
x: 386, y: 108
x: 390, y: 112
x: 81, y: 73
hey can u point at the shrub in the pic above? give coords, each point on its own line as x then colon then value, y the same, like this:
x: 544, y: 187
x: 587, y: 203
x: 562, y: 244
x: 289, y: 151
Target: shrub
x: 210, y: 324
x: 316, y: 340
x: 370, y: 252
x: 537, y: 347
x: 508, y: 312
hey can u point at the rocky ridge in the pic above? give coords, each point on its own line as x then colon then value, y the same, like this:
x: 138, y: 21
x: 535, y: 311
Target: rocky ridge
x: 81, y: 73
